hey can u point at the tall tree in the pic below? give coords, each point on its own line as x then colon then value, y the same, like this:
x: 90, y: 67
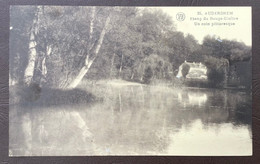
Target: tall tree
x: 93, y: 50
x: 21, y: 18
x: 29, y: 71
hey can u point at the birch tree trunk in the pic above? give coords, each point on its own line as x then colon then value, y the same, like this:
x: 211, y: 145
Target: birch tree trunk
x: 90, y: 57
x: 29, y: 70
x: 44, y: 67
x: 121, y: 65
x: 132, y: 76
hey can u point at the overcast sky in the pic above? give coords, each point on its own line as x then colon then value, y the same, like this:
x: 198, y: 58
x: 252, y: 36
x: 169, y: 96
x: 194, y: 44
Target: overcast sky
x: 241, y: 31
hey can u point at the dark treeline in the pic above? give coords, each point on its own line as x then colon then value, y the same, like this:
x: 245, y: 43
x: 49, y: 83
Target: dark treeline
x: 59, y: 46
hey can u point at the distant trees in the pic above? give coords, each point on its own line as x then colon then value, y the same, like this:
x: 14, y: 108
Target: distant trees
x: 159, y: 66
x: 228, y: 49
x: 219, y: 55
x: 128, y: 47
x: 181, y: 47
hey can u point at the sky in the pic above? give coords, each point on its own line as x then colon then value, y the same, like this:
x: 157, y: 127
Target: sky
x: 239, y: 16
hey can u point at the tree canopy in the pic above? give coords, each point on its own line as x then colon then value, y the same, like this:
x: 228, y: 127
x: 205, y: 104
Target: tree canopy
x: 108, y: 42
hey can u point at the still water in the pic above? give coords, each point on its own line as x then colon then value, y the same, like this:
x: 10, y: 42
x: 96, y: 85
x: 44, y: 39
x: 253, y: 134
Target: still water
x: 137, y: 120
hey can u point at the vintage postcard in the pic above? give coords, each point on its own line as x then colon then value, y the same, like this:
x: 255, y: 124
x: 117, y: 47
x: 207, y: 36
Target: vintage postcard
x: 99, y: 80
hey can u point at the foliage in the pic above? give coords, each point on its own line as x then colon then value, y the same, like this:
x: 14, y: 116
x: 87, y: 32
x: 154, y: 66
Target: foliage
x: 181, y: 47
x: 228, y: 49
x: 185, y: 70
x: 216, y: 70
x: 148, y: 74
x: 215, y: 77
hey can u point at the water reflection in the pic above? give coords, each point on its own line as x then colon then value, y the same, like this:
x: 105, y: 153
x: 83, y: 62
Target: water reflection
x: 212, y: 140
x: 190, y: 99
x: 49, y: 132
x: 137, y: 120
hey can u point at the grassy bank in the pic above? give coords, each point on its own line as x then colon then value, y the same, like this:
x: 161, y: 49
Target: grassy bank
x: 38, y: 96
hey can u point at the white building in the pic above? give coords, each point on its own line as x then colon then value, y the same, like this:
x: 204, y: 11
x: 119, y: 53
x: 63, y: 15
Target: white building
x: 196, y: 71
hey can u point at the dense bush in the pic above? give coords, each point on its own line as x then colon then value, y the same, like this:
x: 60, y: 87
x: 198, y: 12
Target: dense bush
x: 216, y: 77
x: 185, y: 70
x: 148, y: 74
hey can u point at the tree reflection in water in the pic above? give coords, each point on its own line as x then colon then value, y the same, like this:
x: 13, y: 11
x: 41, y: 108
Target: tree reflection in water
x: 137, y: 120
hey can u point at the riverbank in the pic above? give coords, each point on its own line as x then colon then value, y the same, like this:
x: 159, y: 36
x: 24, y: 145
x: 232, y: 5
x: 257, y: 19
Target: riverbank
x: 160, y: 84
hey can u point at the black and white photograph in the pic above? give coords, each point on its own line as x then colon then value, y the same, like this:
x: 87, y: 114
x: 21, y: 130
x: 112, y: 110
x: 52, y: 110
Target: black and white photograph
x: 130, y: 81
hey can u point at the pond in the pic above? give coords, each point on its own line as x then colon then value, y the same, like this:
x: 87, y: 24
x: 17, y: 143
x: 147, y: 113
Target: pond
x: 137, y: 120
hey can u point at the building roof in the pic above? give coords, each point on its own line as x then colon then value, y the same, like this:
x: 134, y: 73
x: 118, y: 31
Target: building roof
x: 195, y: 65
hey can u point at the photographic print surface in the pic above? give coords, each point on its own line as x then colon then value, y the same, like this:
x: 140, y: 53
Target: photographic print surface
x: 95, y: 80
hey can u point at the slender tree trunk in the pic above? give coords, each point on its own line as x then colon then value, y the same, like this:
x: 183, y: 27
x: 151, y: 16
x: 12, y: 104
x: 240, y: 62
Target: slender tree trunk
x: 29, y: 70
x: 142, y: 76
x: 226, y: 71
x: 112, y: 65
x: 132, y: 76
x: 28, y: 73
x: 81, y: 73
x: 44, y: 67
x: 93, y: 11
x: 88, y: 61
x: 121, y: 65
